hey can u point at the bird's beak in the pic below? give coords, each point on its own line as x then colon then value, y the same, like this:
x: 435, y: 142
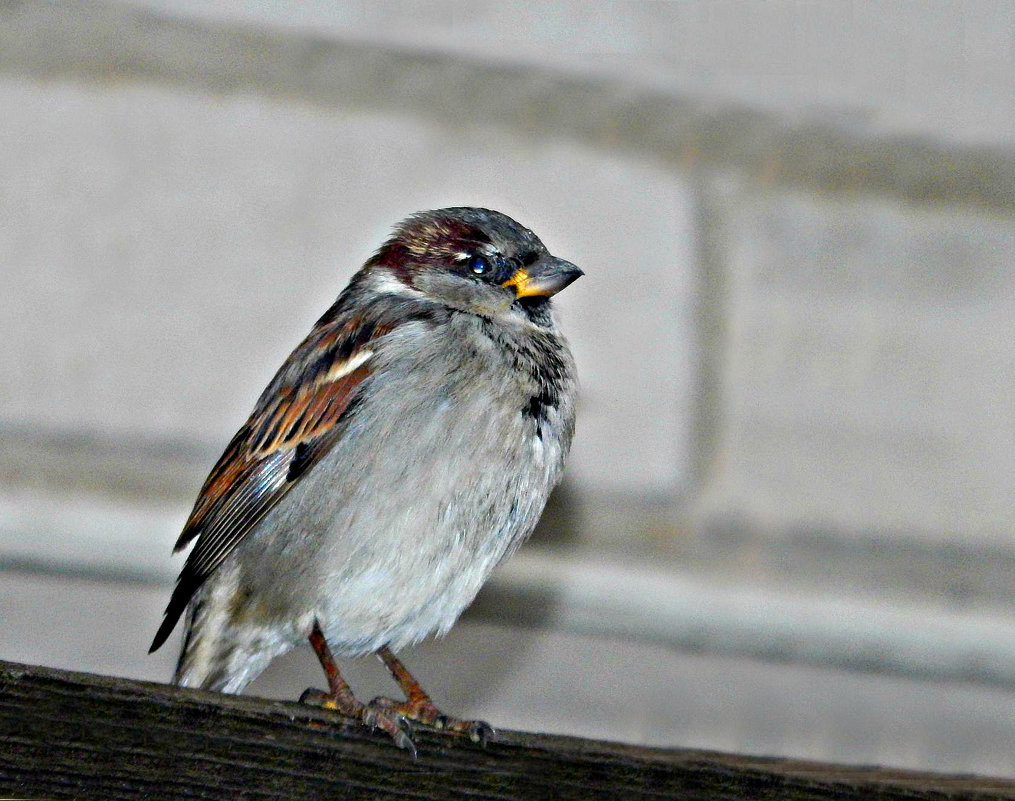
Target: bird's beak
x: 546, y: 277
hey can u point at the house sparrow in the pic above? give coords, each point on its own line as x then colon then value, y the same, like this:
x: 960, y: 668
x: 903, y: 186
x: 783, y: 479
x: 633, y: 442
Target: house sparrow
x: 405, y: 447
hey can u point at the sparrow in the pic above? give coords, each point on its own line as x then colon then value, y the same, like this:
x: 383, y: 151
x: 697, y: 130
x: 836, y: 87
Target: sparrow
x: 403, y: 449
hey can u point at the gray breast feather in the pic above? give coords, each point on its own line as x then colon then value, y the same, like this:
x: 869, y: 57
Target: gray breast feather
x: 391, y: 535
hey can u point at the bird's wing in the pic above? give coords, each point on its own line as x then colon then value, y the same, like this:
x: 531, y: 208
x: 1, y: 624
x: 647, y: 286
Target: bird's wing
x: 294, y: 423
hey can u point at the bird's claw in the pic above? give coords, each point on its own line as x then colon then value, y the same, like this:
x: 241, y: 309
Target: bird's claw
x: 313, y: 697
x: 479, y: 731
x: 397, y: 718
x: 377, y: 717
x: 404, y: 741
x: 370, y: 716
x: 424, y: 713
x: 482, y: 732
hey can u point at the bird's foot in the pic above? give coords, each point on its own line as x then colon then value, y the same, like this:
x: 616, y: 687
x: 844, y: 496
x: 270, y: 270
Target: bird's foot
x: 422, y: 711
x: 390, y: 723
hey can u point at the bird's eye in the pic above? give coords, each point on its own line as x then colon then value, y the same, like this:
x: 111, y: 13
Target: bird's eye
x: 479, y: 265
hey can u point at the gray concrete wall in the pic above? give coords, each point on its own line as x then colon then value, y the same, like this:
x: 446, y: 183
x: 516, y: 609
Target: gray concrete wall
x: 797, y: 223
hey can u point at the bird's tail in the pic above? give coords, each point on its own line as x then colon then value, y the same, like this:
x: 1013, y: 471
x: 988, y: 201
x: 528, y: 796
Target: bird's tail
x: 216, y: 654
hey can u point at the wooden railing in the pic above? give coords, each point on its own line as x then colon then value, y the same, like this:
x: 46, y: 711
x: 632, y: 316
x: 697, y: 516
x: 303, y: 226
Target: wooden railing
x: 73, y: 735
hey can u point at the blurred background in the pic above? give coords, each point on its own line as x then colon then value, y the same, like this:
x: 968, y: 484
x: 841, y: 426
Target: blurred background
x: 787, y: 526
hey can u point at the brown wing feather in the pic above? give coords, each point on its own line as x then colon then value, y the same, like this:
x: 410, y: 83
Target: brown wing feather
x: 262, y: 472
x: 294, y: 424
x: 272, y: 431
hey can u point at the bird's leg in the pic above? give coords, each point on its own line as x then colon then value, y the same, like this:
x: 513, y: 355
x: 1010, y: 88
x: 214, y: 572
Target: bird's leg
x: 340, y: 697
x: 418, y: 707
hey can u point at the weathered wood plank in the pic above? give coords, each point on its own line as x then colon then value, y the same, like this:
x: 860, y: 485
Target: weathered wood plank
x: 71, y: 735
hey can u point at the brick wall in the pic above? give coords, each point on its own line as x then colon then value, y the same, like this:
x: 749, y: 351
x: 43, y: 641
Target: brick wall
x: 794, y: 334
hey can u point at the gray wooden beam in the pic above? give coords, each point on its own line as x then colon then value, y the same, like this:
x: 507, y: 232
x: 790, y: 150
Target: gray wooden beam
x: 72, y: 735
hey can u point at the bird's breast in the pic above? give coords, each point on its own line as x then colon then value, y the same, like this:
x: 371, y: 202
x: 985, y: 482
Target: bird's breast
x: 442, y: 469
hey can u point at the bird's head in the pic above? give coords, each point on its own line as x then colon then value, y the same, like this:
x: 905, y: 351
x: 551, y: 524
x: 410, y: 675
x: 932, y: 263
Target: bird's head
x: 473, y: 260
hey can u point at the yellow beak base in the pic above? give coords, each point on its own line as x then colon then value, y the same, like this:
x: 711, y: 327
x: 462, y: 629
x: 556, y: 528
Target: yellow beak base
x: 543, y: 279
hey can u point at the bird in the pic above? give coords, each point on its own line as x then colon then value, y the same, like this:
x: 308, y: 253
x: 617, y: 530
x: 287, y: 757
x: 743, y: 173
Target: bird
x: 405, y: 447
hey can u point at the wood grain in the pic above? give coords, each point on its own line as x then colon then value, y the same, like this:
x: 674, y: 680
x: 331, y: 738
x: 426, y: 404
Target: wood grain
x: 72, y: 735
